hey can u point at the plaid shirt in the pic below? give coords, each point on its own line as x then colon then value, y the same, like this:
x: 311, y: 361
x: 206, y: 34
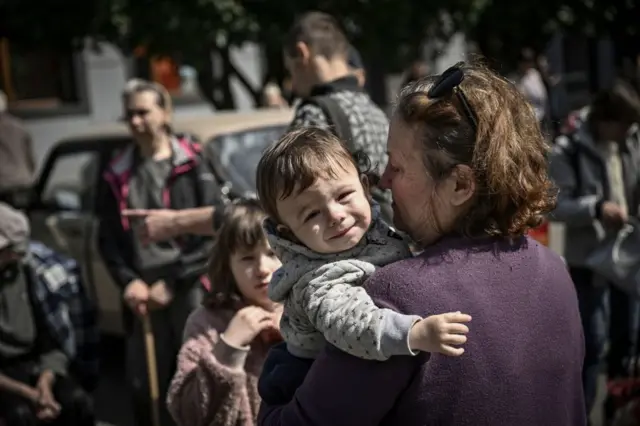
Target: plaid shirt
x: 71, y: 318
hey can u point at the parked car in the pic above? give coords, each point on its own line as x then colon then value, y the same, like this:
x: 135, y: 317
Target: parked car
x: 63, y: 203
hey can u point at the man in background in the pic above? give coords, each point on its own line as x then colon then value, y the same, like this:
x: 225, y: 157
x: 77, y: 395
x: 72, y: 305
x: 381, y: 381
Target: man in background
x: 39, y: 293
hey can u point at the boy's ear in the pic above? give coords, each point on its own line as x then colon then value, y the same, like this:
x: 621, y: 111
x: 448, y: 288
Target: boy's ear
x: 286, y: 233
x: 365, y: 185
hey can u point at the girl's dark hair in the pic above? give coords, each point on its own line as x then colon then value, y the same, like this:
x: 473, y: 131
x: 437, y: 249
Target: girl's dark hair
x: 241, y: 230
x: 163, y: 98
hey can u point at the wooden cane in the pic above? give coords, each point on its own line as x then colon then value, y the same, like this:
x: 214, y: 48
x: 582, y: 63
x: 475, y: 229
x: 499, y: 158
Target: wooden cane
x: 152, y: 371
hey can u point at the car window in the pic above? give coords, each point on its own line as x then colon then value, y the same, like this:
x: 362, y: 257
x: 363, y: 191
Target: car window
x: 70, y: 180
x: 240, y: 152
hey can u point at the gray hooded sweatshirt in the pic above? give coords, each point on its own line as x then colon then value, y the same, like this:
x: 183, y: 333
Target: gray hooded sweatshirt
x: 324, y: 301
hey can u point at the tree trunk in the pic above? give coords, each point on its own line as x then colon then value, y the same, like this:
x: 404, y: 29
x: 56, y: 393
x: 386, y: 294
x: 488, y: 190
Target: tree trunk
x: 206, y: 82
x: 376, y: 84
x: 223, y: 91
x: 233, y: 71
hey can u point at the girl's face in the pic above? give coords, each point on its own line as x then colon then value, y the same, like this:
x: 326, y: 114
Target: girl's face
x: 252, y: 269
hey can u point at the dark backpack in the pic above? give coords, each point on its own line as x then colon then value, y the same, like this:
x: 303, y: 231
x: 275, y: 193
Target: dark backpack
x: 337, y: 119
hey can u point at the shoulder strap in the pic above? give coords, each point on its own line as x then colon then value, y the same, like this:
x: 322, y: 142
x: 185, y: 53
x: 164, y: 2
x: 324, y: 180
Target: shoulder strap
x: 338, y: 120
x: 572, y: 151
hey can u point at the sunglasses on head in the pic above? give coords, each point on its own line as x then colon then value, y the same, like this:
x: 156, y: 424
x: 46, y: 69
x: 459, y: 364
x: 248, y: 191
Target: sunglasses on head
x: 449, y: 81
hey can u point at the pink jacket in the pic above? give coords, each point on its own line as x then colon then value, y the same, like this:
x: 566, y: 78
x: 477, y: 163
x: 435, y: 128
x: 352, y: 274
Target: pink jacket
x: 215, y: 384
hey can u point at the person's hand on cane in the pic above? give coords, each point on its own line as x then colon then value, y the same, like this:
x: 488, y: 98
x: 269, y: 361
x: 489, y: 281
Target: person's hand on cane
x: 160, y: 295
x: 136, y: 296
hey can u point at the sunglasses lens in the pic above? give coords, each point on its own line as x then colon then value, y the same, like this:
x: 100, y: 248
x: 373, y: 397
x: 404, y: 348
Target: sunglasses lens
x: 448, y: 80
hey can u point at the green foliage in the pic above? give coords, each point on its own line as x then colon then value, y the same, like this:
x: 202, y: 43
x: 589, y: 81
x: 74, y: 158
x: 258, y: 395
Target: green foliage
x: 502, y: 27
x: 54, y: 24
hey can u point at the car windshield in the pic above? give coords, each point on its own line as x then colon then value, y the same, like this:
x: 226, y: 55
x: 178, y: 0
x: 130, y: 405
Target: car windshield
x: 239, y: 153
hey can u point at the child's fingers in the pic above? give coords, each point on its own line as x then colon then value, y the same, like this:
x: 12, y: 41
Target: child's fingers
x: 454, y: 339
x: 451, y: 351
x: 457, y: 328
x: 457, y: 317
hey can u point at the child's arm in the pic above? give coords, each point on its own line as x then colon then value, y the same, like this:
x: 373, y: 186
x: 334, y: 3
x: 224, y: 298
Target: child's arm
x: 343, y: 312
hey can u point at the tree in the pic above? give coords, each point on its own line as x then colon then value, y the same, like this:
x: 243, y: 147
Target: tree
x: 502, y: 27
x: 47, y: 24
x: 388, y: 33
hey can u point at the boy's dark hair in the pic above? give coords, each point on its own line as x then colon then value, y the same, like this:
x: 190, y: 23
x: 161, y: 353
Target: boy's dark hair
x: 321, y: 32
x: 295, y: 161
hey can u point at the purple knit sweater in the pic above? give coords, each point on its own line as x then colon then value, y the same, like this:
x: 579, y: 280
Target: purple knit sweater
x: 523, y: 360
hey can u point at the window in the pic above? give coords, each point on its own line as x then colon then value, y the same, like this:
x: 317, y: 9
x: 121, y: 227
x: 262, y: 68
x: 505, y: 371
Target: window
x: 38, y: 80
x: 239, y: 154
x: 71, y: 179
x: 180, y: 80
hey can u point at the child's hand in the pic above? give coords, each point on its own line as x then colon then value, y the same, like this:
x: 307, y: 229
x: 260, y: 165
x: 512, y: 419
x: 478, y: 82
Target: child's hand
x: 438, y: 333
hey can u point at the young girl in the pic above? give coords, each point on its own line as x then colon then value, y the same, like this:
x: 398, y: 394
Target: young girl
x: 227, y: 339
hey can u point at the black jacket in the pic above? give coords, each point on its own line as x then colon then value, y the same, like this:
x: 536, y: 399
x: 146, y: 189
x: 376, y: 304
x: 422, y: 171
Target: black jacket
x: 191, y: 184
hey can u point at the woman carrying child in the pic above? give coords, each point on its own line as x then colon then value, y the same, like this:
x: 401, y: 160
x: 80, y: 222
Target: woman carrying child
x: 468, y: 175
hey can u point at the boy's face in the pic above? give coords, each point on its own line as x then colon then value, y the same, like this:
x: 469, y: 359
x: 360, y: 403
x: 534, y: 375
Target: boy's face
x: 330, y: 216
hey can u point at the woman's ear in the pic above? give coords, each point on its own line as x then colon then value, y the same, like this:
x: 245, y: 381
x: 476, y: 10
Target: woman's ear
x: 463, y: 185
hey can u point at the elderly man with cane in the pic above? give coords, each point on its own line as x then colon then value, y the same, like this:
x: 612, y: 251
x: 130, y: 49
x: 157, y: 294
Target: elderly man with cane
x: 161, y: 282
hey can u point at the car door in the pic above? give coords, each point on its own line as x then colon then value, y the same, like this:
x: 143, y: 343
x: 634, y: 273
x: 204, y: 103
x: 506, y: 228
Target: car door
x: 63, y: 216
x: 61, y: 212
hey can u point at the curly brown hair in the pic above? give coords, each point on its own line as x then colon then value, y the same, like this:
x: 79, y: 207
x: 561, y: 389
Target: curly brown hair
x: 241, y: 230
x: 507, y: 152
